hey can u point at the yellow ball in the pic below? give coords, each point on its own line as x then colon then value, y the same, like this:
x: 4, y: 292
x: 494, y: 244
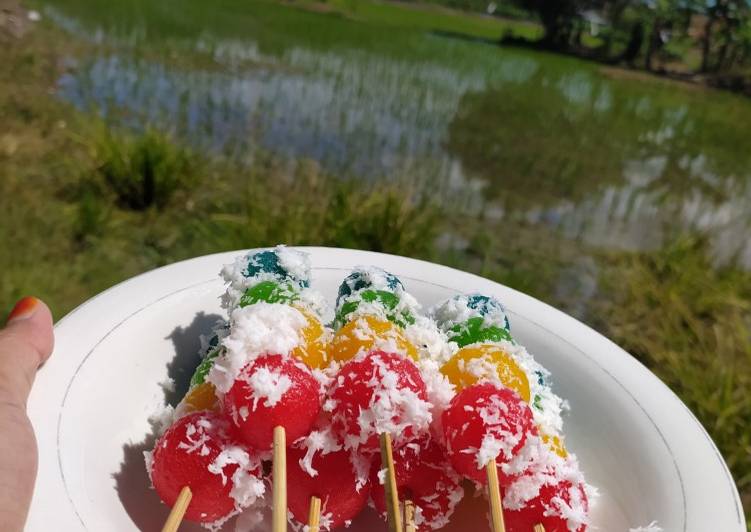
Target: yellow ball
x: 201, y: 397
x: 312, y: 351
x: 555, y: 444
x: 486, y: 361
x: 367, y: 333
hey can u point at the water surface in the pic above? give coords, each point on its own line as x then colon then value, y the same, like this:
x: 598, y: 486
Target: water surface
x: 519, y: 138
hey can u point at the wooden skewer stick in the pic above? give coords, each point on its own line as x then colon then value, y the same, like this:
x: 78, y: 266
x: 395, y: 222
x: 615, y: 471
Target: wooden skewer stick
x: 409, y: 516
x: 314, y: 514
x: 392, y: 496
x: 279, y: 487
x: 175, y: 516
x: 539, y: 528
x: 494, y: 494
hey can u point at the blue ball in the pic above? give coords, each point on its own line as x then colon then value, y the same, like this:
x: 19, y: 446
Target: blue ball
x: 358, y: 280
x: 488, y: 306
x: 268, y: 262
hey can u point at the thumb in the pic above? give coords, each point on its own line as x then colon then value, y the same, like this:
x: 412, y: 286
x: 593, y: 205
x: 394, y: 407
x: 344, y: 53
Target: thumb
x: 25, y: 344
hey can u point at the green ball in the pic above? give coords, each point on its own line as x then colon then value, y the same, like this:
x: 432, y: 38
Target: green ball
x: 388, y: 300
x: 472, y: 332
x: 199, y: 376
x: 269, y: 292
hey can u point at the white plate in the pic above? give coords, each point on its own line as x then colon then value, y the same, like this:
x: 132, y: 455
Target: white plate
x: 637, y: 442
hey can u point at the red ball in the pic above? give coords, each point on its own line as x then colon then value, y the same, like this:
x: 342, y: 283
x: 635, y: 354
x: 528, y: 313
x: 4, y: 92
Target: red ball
x: 425, y: 477
x: 551, y: 508
x: 335, y: 484
x: 490, y: 413
x: 184, y: 455
x: 406, y: 462
x: 273, y: 390
x: 381, y: 392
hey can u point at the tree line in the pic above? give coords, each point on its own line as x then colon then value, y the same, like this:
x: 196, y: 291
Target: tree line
x: 701, y: 36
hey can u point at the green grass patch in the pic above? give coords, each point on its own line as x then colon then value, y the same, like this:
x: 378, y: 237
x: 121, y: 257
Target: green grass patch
x: 690, y: 323
x: 430, y: 17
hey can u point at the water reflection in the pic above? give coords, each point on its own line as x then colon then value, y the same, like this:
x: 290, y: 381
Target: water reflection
x: 523, y: 137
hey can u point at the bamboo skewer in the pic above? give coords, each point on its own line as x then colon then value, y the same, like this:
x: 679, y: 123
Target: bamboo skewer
x: 279, y: 486
x: 539, y: 528
x: 409, y: 516
x: 314, y: 514
x: 177, y: 513
x: 494, y: 494
x: 392, y: 496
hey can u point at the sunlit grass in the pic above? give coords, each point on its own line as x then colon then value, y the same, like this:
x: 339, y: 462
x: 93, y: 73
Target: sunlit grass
x: 690, y: 323
x: 141, y: 171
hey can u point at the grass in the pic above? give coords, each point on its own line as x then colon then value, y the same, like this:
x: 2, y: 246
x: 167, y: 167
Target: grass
x: 141, y: 171
x: 431, y: 17
x: 690, y: 323
x: 72, y: 228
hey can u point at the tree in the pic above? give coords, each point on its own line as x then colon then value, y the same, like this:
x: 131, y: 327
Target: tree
x: 559, y: 18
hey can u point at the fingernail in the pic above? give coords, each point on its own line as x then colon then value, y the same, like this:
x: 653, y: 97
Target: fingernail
x: 24, y: 309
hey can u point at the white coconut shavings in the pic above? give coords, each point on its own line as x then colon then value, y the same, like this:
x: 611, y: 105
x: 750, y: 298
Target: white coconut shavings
x: 315, y: 302
x: 168, y: 385
x: 238, y: 285
x: 361, y: 466
x: 374, y: 277
x: 269, y: 385
x: 373, y: 309
x: 325, y: 377
x: 392, y: 409
x: 439, y: 390
x: 531, y: 452
x: 500, y: 440
x: 388, y: 341
x: 263, y: 328
x: 327, y: 518
x: 574, y: 511
x: 196, y: 437
x: 481, y: 368
x: 162, y: 419
x: 294, y: 262
x: 246, y: 486
x: 378, y: 279
x: 549, y: 468
x: 148, y: 460
x: 548, y: 416
x: 456, y: 310
x: 454, y: 492
x: 318, y: 441
x: 431, y: 342
x: 651, y: 527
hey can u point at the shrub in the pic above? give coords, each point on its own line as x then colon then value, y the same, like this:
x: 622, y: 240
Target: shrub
x: 143, y: 170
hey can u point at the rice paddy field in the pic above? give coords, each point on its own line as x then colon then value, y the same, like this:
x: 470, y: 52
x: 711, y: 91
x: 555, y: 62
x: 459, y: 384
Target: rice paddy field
x: 136, y: 133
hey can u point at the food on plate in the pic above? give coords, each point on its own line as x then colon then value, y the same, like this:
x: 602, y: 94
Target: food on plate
x: 451, y: 387
x: 485, y: 422
x: 201, y: 451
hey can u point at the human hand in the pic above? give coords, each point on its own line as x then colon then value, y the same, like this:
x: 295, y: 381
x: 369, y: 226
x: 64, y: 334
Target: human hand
x: 25, y: 343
